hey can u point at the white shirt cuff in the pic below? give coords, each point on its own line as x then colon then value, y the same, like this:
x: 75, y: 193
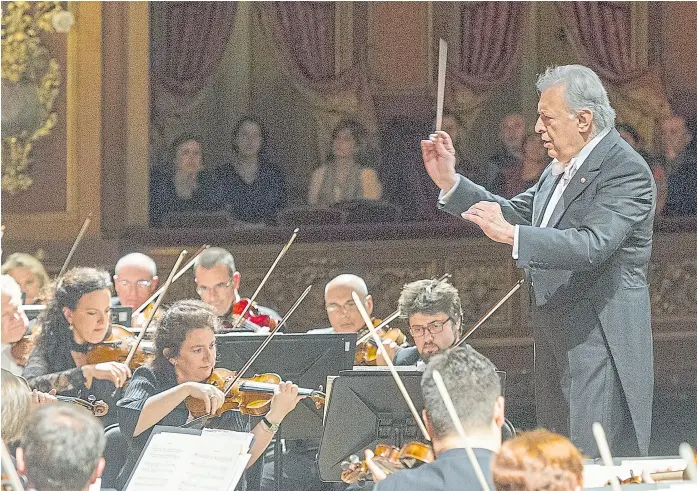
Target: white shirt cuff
x: 515, y: 242
x: 444, y: 197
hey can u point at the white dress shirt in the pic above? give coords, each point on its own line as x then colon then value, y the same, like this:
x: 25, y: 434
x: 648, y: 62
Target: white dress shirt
x: 7, y: 361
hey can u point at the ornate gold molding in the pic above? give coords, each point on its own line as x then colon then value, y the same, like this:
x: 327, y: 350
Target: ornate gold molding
x: 31, y: 79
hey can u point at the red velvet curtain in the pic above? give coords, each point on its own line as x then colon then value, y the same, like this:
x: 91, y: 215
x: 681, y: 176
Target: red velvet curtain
x: 304, y: 34
x: 187, y: 42
x: 601, y: 33
x: 490, y: 42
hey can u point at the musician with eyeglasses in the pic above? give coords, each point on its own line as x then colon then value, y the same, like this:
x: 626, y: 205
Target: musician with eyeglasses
x: 135, y: 280
x: 434, y: 313
x: 217, y: 283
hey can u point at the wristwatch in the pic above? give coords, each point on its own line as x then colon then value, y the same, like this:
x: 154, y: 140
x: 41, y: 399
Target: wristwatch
x: 270, y: 427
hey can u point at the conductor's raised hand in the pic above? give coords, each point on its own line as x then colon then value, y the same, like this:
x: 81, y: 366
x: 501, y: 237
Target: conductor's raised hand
x: 439, y: 158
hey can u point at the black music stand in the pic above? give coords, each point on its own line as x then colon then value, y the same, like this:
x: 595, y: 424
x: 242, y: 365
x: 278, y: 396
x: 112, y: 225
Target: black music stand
x: 306, y: 359
x: 366, y: 408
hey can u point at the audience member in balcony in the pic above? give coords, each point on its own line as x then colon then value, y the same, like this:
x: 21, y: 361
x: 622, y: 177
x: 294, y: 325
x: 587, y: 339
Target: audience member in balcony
x: 475, y: 171
x: 679, y: 160
x: 252, y: 186
x: 181, y: 183
x: 632, y: 136
x: 535, y: 159
x: 538, y: 460
x: 29, y: 274
x: 348, y: 174
x: 510, y: 153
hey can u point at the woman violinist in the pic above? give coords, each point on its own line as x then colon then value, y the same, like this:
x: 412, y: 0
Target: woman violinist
x: 76, y: 319
x: 185, y: 356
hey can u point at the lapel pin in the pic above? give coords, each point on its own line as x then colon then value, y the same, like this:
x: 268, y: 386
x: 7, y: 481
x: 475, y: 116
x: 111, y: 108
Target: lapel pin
x: 583, y: 180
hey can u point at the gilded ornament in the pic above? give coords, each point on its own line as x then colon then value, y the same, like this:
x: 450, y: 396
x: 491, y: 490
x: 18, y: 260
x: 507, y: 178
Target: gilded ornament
x: 30, y: 82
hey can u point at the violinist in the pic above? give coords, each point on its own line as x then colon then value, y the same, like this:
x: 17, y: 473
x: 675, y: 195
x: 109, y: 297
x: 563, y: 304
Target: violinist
x: 135, y: 279
x: 185, y: 356
x: 538, y: 460
x: 14, y: 322
x: 434, y: 312
x: 475, y: 388
x: 217, y: 283
x: 341, y: 310
x: 62, y: 449
x: 29, y: 274
x: 75, y: 320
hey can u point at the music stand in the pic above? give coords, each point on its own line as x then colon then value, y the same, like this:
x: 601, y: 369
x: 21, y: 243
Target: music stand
x: 366, y: 408
x: 306, y: 359
x: 119, y: 314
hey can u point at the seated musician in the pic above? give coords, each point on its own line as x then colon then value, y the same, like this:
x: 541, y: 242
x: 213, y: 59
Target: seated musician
x: 217, y: 283
x: 61, y: 449
x: 538, y: 460
x: 29, y: 274
x: 76, y: 318
x: 135, y: 280
x: 14, y: 322
x: 434, y: 313
x: 475, y: 389
x: 341, y: 309
x: 17, y: 401
x: 185, y: 355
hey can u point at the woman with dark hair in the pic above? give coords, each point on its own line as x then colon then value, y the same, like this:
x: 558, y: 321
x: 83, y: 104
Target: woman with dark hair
x: 182, y: 183
x: 348, y: 175
x: 76, y: 318
x: 185, y: 355
x: 252, y: 186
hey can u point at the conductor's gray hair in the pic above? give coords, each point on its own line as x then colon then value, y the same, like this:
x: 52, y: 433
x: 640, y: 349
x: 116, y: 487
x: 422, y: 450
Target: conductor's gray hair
x: 582, y: 90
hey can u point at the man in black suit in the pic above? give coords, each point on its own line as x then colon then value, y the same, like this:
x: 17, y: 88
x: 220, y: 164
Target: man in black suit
x: 475, y: 390
x: 583, y: 236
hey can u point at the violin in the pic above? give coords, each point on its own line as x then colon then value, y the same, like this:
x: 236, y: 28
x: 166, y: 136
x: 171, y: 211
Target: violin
x: 367, y: 350
x: 389, y: 459
x: 248, y: 395
x: 97, y: 408
x: 117, y: 345
x: 22, y: 349
x: 246, y: 311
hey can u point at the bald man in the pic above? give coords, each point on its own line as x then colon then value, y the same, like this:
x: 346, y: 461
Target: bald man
x: 341, y: 309
x: 135, y: 279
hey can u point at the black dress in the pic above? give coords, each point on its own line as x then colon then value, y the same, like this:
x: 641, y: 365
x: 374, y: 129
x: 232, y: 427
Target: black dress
x: 146, y: 383
x: 164, y: 199
x: 55, y: 368
x: 258, y: 201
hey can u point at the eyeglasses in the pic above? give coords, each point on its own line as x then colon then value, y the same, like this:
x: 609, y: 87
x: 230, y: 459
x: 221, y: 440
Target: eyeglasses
x: 138, y: 284
x: 202, y: 290
x: 432, y: 327
x: 334, y: 307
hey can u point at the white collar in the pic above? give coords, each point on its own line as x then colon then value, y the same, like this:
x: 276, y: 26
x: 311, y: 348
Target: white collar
x: 573, y: 165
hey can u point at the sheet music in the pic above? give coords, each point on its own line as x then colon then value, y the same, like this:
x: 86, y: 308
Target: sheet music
x: 214, y: 460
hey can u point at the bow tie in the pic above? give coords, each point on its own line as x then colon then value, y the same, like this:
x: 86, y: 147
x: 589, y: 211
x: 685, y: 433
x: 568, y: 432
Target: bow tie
x: 567, y: 170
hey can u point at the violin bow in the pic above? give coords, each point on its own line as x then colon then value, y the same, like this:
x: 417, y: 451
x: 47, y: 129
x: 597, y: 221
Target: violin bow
x: 252, y: 359
x: 142, y: 332
x: 438, y: 379
x: 490, y: 312
x: 179, y: 274
x: 605, y: 455
x: 264, y: 280
x: 393, y: 371
x: 9, y: 467
x: 391, y: 317
x: 78, y: 239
